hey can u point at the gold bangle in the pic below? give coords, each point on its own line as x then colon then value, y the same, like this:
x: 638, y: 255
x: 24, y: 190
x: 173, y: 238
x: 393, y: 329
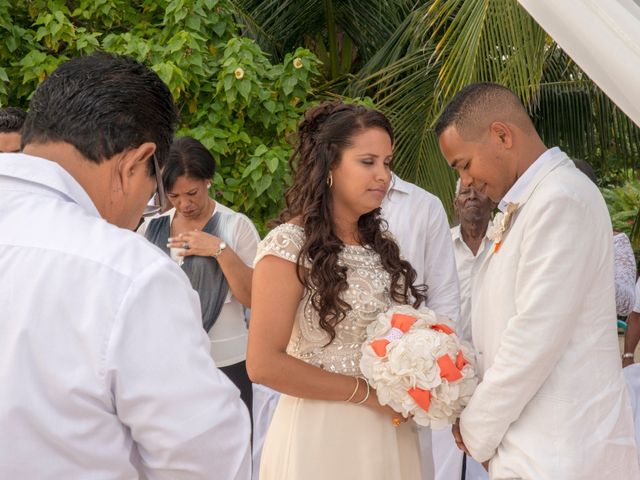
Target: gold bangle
x: 355, y: 390
x: 366, y: 397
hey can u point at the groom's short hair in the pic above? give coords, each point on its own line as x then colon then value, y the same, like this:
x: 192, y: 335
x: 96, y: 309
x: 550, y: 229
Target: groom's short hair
x: 476, y: 106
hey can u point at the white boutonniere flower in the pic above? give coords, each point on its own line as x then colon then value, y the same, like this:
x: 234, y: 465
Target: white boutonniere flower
x: 500, y: 224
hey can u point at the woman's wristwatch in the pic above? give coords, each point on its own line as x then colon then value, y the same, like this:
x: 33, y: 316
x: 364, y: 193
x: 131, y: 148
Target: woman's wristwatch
x: 221, y: 247
x: 627, y: 355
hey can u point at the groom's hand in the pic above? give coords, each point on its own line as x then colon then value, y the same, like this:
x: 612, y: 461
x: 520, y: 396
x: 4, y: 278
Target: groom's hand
x: 457, y: 436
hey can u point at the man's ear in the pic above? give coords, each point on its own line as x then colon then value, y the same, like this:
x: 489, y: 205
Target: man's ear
x: 502, y: 134
x: 133, y: 162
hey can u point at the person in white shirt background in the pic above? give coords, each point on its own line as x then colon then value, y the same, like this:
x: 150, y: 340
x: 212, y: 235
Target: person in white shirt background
x: 216, y: 247
x: 418, y: 222
x: 104, y: 365
x: 470, y: 246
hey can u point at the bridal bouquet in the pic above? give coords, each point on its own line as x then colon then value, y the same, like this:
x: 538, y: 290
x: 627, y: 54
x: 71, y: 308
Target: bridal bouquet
x: 418, y: 366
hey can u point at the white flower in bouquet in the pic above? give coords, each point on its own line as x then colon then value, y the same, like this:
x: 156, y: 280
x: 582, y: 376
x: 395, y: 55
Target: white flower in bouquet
x: 418, y: 365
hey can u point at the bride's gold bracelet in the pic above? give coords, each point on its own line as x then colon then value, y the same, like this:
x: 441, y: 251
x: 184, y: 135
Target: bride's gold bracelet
x: 366, y: 397
x: 355, y: 390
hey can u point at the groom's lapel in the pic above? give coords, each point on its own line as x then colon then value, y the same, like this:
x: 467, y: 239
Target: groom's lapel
x: 554, y: 162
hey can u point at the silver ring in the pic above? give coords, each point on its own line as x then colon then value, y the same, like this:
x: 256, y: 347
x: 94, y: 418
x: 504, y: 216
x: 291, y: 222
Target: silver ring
x: 185, y: 245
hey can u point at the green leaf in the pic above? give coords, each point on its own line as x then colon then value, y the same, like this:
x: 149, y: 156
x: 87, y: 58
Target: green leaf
x: 244, y: 87
x: 261, y: 150
x: 255, y: 163
x: 288, y: 84
x: 270, y: 106
x: 263, y: 183
x: 272, y: 163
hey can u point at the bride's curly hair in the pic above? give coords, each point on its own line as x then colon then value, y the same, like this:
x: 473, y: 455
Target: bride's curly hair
x: 322, y: 136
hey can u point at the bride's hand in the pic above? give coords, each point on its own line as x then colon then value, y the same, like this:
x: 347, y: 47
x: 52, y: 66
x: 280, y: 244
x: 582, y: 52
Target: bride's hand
x: 374, y: 403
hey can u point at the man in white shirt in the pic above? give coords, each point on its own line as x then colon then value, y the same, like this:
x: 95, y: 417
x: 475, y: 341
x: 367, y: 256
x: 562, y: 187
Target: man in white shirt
x: 552, y: 402
x: 417, y: 220
x: 470, y: 246
x: 104, y: 365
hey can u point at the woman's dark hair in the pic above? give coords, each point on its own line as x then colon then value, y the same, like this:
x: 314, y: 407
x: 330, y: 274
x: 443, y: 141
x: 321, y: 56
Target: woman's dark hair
x: 188, y: 157
x: 323, y: 134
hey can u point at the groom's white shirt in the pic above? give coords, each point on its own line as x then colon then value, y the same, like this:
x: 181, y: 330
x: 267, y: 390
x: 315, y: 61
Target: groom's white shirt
x: 552, y: 402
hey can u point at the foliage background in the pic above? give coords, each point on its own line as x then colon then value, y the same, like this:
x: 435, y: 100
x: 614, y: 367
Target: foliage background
x: 230, y: 95
x: 411, y: 56
x: 408, y: 56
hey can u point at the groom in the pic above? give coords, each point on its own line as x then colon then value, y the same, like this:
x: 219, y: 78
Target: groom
x: 552, y: 402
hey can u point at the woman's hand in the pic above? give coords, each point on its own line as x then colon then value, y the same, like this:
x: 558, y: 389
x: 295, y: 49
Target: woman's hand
x: 373, y: 403
x: 195, y: 242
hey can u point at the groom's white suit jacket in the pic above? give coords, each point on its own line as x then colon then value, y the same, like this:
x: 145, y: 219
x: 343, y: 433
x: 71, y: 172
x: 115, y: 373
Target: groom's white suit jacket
x: 552, y: 403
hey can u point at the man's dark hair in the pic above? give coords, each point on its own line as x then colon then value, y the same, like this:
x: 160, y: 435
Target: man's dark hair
x: 188, y: 157
x: 478, y: 105
x: 102, y: 104
x: 11, y: 119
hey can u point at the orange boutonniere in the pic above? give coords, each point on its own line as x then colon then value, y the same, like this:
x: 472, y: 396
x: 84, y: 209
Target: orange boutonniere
x: 500, y: 224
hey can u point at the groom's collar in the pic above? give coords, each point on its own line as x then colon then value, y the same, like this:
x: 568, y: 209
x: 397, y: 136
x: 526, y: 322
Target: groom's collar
x: 524, y: 185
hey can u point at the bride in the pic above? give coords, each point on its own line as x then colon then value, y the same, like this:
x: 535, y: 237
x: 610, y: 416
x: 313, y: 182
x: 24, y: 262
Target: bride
x: 320, y: 278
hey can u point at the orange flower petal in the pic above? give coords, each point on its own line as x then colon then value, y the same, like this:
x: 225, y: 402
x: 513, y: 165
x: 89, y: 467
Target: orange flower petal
x: 402, y: 322
x: 448, y: 370
x: 421, y: 396
x: 380, y: 346
x: 441, y: 327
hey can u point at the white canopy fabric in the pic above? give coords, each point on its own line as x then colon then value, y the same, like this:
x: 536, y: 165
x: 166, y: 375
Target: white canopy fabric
x: 603, y: 38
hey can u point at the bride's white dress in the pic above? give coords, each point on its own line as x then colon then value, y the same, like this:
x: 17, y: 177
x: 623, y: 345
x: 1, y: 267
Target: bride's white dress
x: 319, y: 440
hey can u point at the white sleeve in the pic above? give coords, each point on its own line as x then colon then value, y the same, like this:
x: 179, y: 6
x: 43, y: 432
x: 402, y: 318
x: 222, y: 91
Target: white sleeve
x: 625, y: 274
x: 185, y: 416
x: 441, y: 276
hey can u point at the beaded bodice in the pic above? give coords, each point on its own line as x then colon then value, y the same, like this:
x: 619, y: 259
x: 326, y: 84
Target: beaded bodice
x: 368, y: 294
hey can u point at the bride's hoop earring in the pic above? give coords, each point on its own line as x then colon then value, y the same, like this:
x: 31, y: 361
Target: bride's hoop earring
x: 330, y: 180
